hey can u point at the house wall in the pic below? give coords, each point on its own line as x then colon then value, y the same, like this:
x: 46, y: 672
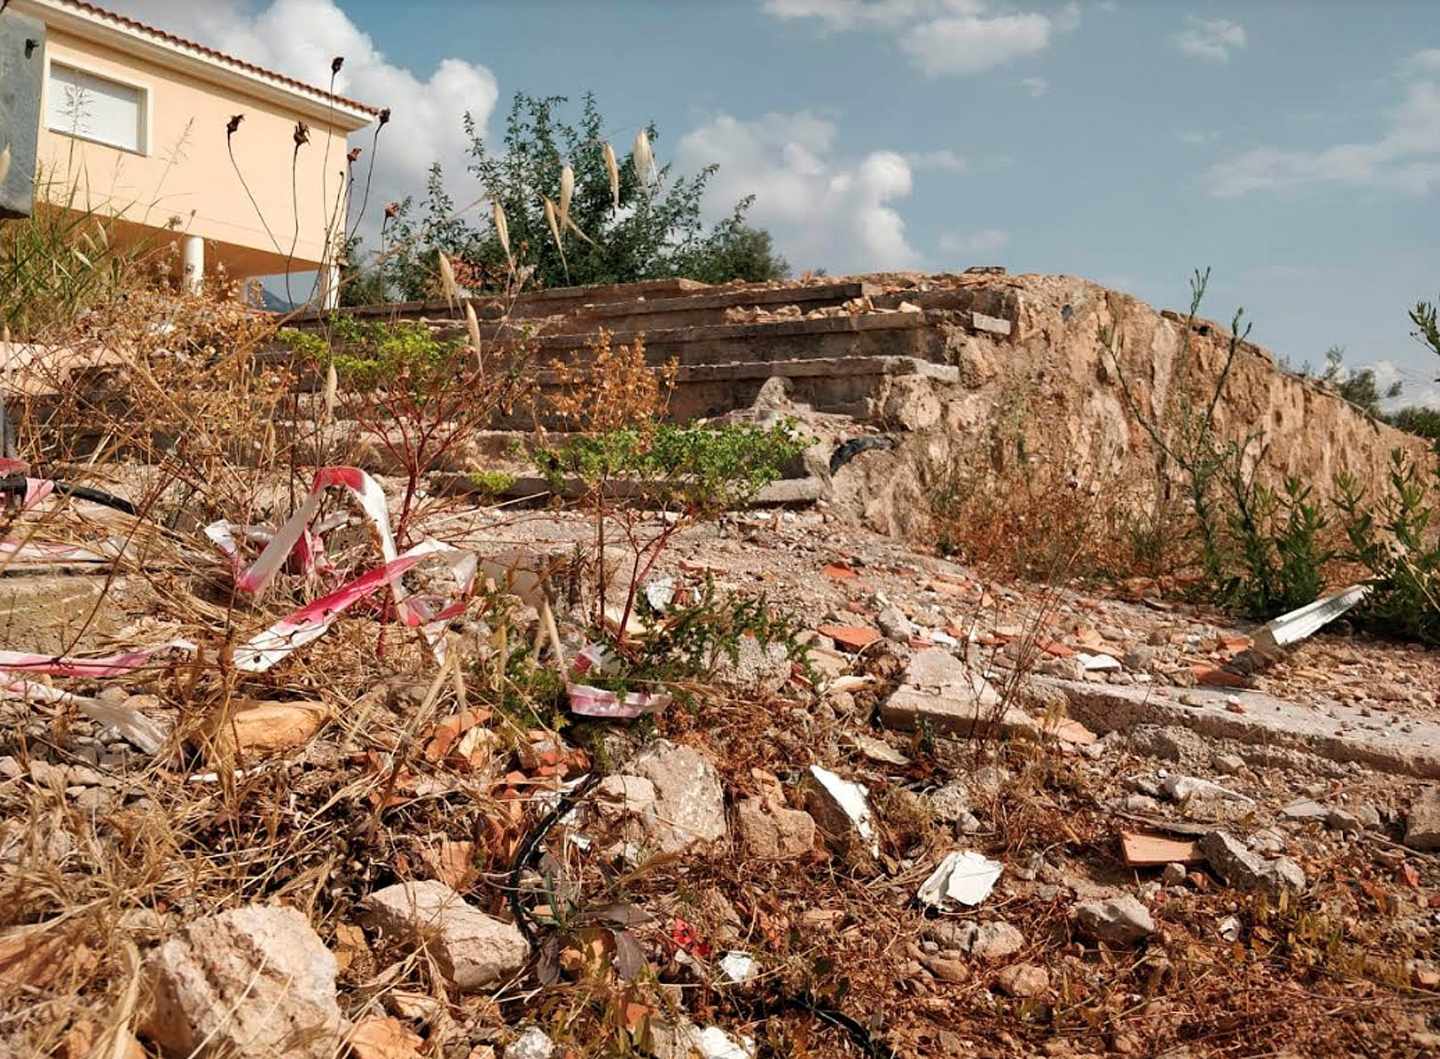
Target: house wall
x: 184, y: 171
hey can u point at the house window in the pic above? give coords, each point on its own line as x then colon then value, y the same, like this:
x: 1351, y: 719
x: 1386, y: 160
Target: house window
x: 95, y: 108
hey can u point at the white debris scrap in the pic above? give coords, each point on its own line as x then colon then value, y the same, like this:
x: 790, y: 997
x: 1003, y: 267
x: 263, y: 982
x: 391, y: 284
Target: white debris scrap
x: 714, y: 1043
x: 1097, y: 663
x: 738, y: 966
x: 964, y: 877
x: 853, y: 799
x: 1298, y: 624
x: 1180, y: 788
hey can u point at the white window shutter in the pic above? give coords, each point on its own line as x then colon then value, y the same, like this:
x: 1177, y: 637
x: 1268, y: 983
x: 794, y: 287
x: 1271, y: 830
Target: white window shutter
x: 96, y: 108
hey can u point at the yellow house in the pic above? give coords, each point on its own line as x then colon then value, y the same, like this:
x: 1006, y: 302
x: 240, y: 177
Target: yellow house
x: 139, y: 124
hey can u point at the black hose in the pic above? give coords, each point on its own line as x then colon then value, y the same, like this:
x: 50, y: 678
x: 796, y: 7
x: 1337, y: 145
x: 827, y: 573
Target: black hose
x: 531, y: 845
x: 15, y: 483
x: 848, y: 450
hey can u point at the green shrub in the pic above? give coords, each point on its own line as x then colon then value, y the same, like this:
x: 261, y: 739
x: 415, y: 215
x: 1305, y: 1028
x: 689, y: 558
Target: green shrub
x: 1394, y: 538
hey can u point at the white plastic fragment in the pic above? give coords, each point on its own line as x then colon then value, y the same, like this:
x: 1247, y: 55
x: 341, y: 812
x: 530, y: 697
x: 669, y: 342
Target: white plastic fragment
x: 738, y: 966
x: 660, y: 593
x: 963, y: 877
x: 1304, y: 621
x: 854, y: 801
x: 138, y: 729
x: 1096, y: 663
x: 714, y: 1043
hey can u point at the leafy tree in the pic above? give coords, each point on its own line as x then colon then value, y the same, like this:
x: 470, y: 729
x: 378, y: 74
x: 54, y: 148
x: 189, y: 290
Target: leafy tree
x: 1357, y: 387
x: 1427, y: 326
x: 656, y: 233
x: 1422, y: 422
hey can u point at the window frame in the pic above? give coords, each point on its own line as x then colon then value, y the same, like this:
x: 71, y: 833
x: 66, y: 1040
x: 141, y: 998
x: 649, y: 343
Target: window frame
x: 146, y: 109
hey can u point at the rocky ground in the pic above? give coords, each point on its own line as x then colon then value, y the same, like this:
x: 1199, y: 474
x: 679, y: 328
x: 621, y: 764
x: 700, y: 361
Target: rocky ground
x: 895, y: 844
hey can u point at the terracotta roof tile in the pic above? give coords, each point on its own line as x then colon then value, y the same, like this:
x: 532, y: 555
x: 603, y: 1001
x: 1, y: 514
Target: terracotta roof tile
x: 165, y: 35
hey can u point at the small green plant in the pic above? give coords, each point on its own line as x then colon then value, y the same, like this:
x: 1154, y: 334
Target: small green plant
x: 1278, y: 542
x: 491, y: 483
x: 1394, y: 539
x: 370, y: 354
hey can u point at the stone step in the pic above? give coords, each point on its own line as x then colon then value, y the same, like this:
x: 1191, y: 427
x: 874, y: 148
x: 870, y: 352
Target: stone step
x: 788, y: 492
x: 528, y: 306
x: 704, y: 308
x: 876, y: 334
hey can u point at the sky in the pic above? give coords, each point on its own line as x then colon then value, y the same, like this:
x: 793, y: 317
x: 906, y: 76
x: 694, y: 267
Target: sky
x: 1291, y: 147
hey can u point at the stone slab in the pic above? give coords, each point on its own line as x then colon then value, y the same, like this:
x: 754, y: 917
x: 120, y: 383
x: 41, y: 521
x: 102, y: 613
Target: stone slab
x: 1347, y: 736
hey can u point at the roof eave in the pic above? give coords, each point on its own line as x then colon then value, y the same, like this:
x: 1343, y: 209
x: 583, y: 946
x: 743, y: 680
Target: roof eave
x: 175, y: 56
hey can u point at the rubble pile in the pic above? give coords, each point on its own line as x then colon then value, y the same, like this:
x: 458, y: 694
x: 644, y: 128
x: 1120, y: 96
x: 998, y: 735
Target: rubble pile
x: 910, y: 807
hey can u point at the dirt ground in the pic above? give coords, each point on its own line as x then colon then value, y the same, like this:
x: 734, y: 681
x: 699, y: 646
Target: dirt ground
x: 708, y: 924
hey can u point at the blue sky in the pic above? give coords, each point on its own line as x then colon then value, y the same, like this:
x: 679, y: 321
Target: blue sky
x: 1293, y: 147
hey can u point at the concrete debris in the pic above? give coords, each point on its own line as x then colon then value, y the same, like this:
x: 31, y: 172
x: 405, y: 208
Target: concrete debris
x: 841, y: 809
x: 1117, y: 920
x: 533, y: 1043
x: 994, y: 941
x: 895, y: 625
x: 1183, y: 788
x: 254, y: 981
x: 962, y: 878
x: 1098, y: 662
x: 1245, y: 870
x: 1304, y: 809
x: 944, y: 695
x: 876, y: 750
x: 474, y: 950
x: 773, y: 832
x: 689, y: 807
x: 1422, y: 822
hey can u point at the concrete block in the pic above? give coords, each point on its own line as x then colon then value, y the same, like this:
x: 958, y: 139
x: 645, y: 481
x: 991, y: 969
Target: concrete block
x: 22, y: 66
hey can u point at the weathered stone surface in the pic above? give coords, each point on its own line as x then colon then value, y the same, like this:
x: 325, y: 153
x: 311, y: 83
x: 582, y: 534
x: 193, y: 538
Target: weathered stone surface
x: 473, y: 950
x: 1422, y: 822
x: 1241, y: 868
x: 774, y: 833
x: 1117, y: 920
x: 689, y: 801
x: 996, y: 941
x: 254, y: 981
x: 764, y: 668
x: 955, y: 713
x: 1339, y: 733
x: 1023, y: 980
x: 895, y: 625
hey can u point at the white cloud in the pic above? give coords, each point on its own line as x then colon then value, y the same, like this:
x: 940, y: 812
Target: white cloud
x: 966, y: 44
x: 987, y: 241
x: 943, y: 161
x: 1211, y: 39
x: 1422, y: 62
x: 1405, y: 158
x: 300, y: 37
x: 824, y: 211
x: 941, y: 37
x: 1036, y: 86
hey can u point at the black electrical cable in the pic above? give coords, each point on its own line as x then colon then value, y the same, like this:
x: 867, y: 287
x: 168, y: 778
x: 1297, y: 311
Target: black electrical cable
x: 528, y: 849
x: 798, y: 1002
x: 16, y: 483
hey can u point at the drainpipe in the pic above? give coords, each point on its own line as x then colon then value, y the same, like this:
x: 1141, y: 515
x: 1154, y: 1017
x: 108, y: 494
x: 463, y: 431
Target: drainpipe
x: 330, y: 294
x: 193, y: 279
